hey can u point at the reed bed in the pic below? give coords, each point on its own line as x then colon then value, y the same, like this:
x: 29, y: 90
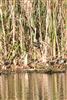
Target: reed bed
x: 32, y: 30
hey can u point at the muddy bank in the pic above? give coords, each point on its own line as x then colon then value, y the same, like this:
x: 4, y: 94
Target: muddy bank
x: 46, y: 69
x: 52, y: 66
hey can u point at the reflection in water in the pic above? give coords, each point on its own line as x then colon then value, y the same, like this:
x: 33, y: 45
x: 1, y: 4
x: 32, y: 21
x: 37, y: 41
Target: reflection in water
x: 33, y: 86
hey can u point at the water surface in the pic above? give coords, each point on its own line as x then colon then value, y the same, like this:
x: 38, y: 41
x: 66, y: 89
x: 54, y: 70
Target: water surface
x: 33, y: 86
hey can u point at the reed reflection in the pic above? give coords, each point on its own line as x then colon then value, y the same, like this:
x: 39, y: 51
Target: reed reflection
x: 33, y: 86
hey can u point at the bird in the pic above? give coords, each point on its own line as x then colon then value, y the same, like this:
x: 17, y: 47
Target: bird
x: 61, y: 61
x: 37, y: 44
x: 6, y: 62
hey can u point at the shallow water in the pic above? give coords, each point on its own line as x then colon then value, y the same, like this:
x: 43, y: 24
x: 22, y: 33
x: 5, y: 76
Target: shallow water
x: 33, y: 86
